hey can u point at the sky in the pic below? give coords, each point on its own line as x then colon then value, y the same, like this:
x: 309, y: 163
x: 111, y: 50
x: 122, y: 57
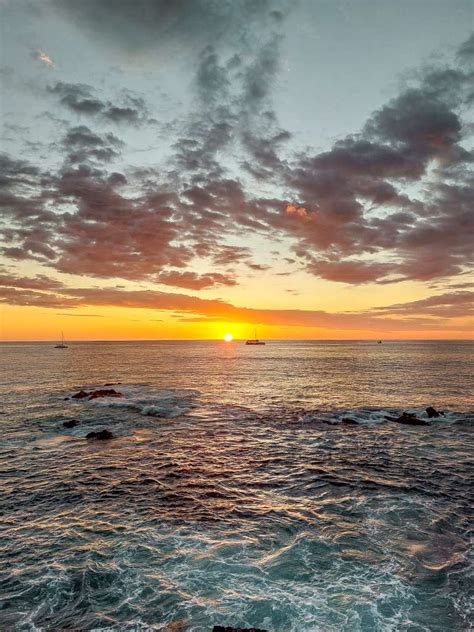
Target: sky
x: 189, y: 168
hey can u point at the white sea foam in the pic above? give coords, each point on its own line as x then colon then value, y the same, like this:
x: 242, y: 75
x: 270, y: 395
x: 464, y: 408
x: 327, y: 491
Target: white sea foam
x: 147, y: 401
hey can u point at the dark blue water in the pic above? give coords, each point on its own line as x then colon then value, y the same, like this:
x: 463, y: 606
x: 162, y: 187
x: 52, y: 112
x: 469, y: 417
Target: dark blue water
x: 232, y: 493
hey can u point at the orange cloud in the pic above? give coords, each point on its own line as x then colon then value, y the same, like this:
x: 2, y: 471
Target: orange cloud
x: 428, y: 315
x: 299, y: 211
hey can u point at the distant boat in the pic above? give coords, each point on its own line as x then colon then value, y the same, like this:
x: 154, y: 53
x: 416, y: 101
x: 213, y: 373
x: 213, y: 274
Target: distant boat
x: 255, y: 341
x: 61, y: 345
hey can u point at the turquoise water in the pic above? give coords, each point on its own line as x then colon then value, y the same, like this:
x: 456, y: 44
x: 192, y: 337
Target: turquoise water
x: 232, y: 494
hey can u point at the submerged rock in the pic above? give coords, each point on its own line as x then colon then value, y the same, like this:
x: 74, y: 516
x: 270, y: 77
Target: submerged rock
x: 347, y: 421
x: 221, y: 628
x: 105, y: 392
x: 70, y: 423
x: 100, y: 435
x: 409, y: 419
x: 432, y: 412
x: 101, y: 392
x: 112, y: 383
x: 80, y: 395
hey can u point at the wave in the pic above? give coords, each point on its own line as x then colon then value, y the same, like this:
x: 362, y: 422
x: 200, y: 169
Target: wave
x: 375, y: 416
x: 146, y: 401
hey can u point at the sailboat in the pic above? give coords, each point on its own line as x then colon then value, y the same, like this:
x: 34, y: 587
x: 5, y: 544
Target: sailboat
x: 255, y: 341
x: 61, y: 345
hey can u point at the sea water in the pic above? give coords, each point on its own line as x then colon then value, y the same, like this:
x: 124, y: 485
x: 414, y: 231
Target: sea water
x: 232, y: 492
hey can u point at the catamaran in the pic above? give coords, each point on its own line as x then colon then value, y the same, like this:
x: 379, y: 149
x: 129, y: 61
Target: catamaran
x: 255, y: 341
x: 61, y: 345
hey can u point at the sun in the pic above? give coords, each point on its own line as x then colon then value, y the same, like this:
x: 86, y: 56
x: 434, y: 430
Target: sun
x: 228, y: 337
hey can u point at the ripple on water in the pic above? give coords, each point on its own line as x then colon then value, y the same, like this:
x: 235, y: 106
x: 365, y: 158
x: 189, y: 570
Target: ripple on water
x: 204, y: 513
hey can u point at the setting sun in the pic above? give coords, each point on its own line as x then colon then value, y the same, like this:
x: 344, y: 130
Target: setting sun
x: 228, y: 337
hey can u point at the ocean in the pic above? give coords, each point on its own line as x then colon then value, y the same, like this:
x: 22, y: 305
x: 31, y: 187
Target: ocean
x: 233, y: 493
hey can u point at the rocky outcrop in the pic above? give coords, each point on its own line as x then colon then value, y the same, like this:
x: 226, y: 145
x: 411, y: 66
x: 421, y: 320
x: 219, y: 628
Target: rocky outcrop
x: 101, y: 392
x: 408, y: 419
x: 105, y: 392
x: 80, y: 395
x: 70, y: 423
x: 347, y: 421
x: 100, y: 435
x: 432, y: 412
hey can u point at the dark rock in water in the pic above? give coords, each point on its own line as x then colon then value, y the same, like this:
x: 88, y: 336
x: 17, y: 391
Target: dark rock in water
x: 221, y: 628
x: 80, y: 395
x: 70, y: 423
x: 409, y: 419
x: 347, y: 421
x: 112, y: 383
x: 100, y: 435
x: 432, y: 412
x: 101, y: 392
x: 105, y: 392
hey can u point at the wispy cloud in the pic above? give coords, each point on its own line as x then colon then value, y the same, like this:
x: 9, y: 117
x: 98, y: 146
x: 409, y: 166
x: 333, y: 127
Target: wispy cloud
x: 81, y: 315
x: 44, y: 58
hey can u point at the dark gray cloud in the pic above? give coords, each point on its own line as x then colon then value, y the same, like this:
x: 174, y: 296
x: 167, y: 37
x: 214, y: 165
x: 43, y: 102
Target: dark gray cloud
x: 80, y: 99
x: 138, y: 25
x: 77, y: 97
x: 466, y: 50
x: 82, y: 145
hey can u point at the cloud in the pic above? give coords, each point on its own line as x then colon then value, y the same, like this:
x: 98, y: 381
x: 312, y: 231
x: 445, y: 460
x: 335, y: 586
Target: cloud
x: 349, y: 271
x: 82, y: 144
x: 364, y: 226
x: 466, y: 50
x: 80, y: 315
x: 134, y: 26
x: 39, y: 282
x: 43, y: 58
x: 390, y: 203
x: 299, y: 211
x: 449, y: 305
x: 396, y: 318
x: 258, y: 266
x: 31, y: 298
x: 77, y: 97
x: 80, y: 99
x: 193, y: 281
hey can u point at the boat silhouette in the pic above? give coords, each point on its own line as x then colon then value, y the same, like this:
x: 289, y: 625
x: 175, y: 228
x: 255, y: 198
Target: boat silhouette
x: 61, y: 345
x: 255, y: 341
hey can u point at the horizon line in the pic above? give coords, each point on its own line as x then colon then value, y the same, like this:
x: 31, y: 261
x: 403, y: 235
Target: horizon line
x: 53, y: 340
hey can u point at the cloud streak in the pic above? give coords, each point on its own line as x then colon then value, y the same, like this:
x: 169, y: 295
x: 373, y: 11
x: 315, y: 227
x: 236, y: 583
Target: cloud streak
x: 425, y: 315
